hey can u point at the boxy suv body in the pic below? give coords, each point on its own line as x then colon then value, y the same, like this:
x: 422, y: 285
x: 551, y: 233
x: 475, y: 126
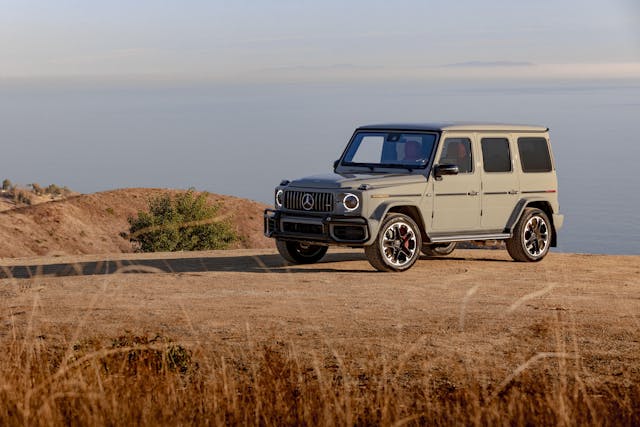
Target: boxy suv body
x: 401, y: 189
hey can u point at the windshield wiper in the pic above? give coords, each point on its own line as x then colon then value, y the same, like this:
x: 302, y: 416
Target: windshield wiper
x: 397, y: 165
x: 363, y: 165
x: 373, y: 166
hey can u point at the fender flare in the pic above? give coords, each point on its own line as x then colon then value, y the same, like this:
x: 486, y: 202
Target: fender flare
x: 519, y: 210
x: 381, y: 211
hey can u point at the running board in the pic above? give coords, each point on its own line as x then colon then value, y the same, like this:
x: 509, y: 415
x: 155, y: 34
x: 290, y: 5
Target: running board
x: 466, y: 237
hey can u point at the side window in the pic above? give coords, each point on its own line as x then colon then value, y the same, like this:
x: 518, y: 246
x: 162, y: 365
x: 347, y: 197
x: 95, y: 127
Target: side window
x: 496, y: 155
x: 534, y: 155
x: 457, y: 151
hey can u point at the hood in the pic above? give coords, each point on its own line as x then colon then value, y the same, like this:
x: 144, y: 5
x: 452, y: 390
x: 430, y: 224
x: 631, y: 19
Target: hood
x: 353, y: 181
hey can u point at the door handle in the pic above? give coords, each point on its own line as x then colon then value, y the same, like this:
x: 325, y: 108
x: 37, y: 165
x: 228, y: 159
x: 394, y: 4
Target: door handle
x: 513, y: 192
x: 472, y: 193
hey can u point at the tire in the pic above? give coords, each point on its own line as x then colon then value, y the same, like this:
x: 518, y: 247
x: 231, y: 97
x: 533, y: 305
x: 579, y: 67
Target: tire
x: 397, y: 246
x: 300, y: 253
x: 531, y: 238
x: 438, y: 249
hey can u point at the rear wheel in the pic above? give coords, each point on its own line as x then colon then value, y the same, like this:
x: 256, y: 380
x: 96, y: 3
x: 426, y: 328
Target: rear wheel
x: 300, y: 253
x: 531, y: 237
x: 438, y: 249
x: 397, y: 246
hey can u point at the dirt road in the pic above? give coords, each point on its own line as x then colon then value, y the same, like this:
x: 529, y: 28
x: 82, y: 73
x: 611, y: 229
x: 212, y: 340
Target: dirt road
x: 475, y: 307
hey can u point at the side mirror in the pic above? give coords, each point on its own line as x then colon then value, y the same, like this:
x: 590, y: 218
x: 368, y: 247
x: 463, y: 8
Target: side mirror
x: 336, y: 163
x: 440, y: 170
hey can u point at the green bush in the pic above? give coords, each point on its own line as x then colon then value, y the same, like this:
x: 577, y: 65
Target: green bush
x: 6, y: 184
x: 186, y: 222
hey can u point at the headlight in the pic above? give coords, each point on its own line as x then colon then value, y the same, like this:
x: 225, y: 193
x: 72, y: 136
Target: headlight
x: 351, y: 202
x: 279, y: 198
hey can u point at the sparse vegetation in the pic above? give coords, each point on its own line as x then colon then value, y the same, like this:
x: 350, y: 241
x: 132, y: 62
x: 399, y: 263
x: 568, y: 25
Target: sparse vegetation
x: 23, y: 196
x: 37, y: 190
x: 186, y: 222
x: 55, y: 191
x: 20, y: 197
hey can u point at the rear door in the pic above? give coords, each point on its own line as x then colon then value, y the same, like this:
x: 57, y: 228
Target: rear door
x: 457, y: 197
x: 500, y: 184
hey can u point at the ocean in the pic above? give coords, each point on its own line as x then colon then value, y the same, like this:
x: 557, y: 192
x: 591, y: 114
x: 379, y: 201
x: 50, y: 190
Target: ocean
x: 242, y: 139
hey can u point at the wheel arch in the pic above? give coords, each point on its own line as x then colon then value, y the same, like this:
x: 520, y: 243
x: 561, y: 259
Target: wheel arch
x: 409, y: 209
x: 541, y: 204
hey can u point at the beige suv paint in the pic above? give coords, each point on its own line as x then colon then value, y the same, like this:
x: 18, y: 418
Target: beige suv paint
x: 401, y: 189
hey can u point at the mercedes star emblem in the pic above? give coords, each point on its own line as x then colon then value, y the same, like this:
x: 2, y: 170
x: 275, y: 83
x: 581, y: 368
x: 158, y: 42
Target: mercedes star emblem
x: 307, y: 202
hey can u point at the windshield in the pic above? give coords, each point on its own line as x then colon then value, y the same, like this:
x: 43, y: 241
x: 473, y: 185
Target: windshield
x: 390, y: 149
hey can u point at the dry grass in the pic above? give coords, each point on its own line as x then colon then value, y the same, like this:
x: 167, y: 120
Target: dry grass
x: 85, y: 374
x: 138, y: 380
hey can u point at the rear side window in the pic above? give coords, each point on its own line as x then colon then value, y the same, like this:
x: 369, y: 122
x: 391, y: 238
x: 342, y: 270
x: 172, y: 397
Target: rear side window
x: 496, y: 155
x: 534, y: 155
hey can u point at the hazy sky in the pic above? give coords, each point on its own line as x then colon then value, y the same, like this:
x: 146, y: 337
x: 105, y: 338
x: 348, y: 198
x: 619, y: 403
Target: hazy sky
x: 258, y: 41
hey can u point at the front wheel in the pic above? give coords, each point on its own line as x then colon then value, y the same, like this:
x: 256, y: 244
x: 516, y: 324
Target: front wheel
x: 300, y: 253
x: 531, y: 237
x: 397, y: 246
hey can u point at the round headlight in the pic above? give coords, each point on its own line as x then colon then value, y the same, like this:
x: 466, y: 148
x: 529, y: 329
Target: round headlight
x: 351, y: 202
x: 279, y: 198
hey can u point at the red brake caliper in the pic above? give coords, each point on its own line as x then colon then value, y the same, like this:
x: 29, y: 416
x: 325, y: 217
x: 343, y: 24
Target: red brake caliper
x: 406, y: 242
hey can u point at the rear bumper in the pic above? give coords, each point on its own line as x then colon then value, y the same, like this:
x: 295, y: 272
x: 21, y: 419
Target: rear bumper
x: 558, y: 220
x: 328, y: 229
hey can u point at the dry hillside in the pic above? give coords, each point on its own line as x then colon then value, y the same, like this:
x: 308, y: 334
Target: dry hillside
x: 91, y: 224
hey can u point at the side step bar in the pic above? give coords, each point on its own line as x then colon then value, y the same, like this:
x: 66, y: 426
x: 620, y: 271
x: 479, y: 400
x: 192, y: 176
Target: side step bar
x: 465, y: 237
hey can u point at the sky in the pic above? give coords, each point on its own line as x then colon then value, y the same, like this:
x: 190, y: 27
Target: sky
x: 232, y: 97
x: 294, y: 40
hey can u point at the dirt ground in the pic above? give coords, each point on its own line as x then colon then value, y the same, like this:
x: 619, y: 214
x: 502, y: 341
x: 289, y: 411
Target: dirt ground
x: 475, y: 307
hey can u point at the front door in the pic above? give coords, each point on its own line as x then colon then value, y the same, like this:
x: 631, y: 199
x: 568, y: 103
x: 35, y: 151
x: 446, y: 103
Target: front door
x: 457, y: 197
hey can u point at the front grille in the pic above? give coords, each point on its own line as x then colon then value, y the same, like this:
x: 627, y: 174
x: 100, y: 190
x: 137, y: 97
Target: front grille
x: 295, y: 200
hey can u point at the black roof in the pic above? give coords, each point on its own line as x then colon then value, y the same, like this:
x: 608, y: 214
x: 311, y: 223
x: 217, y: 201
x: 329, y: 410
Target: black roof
x: 468, y: 126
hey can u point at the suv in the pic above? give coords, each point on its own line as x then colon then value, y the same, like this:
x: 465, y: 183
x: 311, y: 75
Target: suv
x: 401, y: 189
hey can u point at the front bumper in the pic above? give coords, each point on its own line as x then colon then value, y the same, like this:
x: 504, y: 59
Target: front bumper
x: 329, y: 229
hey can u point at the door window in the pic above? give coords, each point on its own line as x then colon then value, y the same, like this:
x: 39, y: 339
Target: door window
x: 496, y: 155
x: 457, y: 151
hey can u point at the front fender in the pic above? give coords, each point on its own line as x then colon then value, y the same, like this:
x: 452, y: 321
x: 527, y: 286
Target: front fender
x: 380, y: 212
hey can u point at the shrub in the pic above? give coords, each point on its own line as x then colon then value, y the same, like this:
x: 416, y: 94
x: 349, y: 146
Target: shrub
x: 21, y: 197
x: 186, y: 222
x: 6, y: 184
x: 53, y: 190
x: 37, y: 189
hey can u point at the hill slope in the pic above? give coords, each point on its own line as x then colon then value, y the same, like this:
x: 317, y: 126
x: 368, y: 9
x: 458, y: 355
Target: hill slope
x: 92, y: 223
